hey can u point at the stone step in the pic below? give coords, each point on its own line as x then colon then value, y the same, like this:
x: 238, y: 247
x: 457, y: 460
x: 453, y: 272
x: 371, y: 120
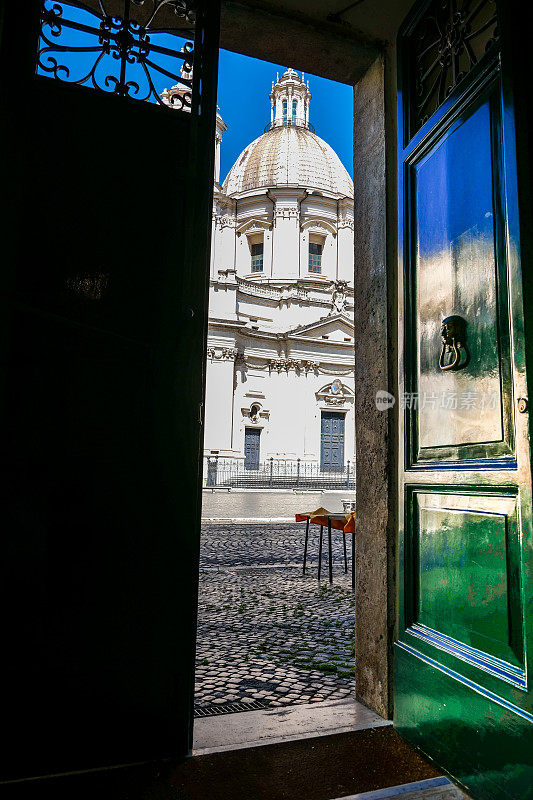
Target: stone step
x: 432, y: 789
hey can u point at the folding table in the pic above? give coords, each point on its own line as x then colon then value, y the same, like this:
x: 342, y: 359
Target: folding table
x: 340, y: 522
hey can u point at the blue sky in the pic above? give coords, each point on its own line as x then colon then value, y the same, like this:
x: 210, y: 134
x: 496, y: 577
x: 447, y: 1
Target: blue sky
x: 243, y: 87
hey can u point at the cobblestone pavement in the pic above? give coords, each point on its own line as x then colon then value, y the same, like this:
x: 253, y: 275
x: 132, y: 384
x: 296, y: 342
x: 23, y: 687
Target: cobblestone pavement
x: 265, y: 631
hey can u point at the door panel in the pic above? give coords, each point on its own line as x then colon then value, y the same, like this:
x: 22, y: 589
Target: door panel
x: 464, y: 593
x: 456, y: 273
x: 458, y: 268
x: 332, y: 441
x: 252, y: 440
x: 464, y: 638
x: 105, y: 241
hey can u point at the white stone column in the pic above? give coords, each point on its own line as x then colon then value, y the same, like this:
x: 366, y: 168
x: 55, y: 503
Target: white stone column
x: 225, y: 240
x: 304, y: 253
x: 223, y: 295
x: 345, y: 244
x: 267, y: 252
x: 286, y: 233
x: 220, y: 127
x: 312, y: 417
x: 279, y: 113
x: 219, y: 397
x: 214, y: 241
x: 329, y: 256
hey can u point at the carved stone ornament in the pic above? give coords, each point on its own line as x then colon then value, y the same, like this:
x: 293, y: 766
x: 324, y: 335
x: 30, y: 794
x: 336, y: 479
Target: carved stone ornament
x: 222, y: 353
x: 286, y: 364
x: 335, y: 393
x: 339, y: 297
x: 227, y: 221
x: 256, y: 418
x: 286, y: 212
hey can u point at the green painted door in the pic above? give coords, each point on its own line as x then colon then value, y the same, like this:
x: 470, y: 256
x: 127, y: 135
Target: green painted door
x: 464, y: 639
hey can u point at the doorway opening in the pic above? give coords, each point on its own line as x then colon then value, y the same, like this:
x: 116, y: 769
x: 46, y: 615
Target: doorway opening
x: 279, y: 420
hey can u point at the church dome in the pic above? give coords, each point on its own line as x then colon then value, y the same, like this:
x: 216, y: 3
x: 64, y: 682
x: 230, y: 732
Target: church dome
x: 289, y: 155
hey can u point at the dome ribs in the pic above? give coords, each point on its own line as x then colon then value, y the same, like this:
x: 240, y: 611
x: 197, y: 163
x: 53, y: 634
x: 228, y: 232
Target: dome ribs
x: 289, y: 155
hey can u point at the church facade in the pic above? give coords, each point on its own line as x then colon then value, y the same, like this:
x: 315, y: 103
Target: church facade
x: 280, y: 372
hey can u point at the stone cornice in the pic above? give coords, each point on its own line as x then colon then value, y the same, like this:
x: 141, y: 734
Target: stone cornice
x: 300, y: 366
x: 326, y: 344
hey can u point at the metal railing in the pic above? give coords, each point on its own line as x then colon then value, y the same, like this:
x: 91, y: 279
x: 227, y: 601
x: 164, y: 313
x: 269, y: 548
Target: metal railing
x: 299, y: 122
x: 276, y: 474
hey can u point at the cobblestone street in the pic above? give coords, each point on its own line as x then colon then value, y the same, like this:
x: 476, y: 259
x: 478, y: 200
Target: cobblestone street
x: 265, y: 631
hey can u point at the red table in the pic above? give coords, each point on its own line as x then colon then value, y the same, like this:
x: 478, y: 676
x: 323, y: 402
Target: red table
x: 340, y: 522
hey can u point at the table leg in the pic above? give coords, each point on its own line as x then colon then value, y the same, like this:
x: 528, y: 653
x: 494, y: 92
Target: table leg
x: 330, y: 552
x: 353, y: 561
x: 306, y: 540
x: 320, y: 553
x: 345, y: 554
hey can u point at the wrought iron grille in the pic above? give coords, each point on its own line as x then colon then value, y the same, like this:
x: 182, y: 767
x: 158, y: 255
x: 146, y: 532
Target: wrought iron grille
x: 229, y: 708
x: 449, y: 40
x: 124, y: 47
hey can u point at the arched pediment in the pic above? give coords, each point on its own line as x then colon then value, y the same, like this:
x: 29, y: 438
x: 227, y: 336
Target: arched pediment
x: 254, y: 226
x: 320, y: 226
x: 335, y: 392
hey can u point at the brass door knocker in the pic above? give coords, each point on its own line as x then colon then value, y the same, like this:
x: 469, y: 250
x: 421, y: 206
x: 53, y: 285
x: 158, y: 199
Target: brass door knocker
x: 454, y: 353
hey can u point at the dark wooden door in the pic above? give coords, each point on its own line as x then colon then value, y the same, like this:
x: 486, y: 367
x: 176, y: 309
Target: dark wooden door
x: 332, y: 442
x: 252, y: 447
x: 105, y: 238
x: 464, y: 640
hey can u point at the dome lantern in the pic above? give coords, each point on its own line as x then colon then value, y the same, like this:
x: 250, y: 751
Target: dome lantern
x: 289, y: 100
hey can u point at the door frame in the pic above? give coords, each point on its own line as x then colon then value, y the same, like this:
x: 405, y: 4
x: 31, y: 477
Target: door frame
x: 257, y: 436
x: 370, y: 68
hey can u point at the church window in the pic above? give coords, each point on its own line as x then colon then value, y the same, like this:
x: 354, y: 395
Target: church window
x: 284, y: 110
x: 294, y: 110
x: 257, y: 257
x: 315, y: 257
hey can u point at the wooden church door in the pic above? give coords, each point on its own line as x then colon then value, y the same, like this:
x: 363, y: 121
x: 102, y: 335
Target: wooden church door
x: 105, y: 238
x: 463, y: 650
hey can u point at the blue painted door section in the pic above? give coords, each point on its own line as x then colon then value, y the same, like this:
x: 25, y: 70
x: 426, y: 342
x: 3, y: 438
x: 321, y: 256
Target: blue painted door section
x: 332, y: 442
x: 252, y: 438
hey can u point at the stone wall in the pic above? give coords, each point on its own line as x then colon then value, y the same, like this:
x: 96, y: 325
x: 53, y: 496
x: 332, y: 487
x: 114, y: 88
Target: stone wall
x: 375, y: 523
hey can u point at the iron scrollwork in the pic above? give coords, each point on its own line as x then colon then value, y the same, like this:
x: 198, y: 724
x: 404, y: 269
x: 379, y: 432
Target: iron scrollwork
x: 117, y: 53
x: 449, y: 40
